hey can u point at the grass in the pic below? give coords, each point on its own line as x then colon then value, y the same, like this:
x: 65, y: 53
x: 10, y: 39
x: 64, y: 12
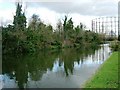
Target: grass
x: 107, y: 75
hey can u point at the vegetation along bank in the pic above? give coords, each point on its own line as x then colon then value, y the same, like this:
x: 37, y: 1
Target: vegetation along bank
x: 21, y: 38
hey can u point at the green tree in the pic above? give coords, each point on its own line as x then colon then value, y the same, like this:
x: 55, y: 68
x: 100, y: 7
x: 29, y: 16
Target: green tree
x: 35, y: 21
x: 64, y: 26
x: 19, y: 19
x: 69, y: 29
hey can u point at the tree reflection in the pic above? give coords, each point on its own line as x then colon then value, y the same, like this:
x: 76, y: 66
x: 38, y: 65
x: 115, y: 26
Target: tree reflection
x: 37, y: 64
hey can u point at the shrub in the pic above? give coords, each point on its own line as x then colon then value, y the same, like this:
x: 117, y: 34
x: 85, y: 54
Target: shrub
x: 115, y: 46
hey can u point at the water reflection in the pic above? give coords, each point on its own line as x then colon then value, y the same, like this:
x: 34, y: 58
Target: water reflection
x: 62, y: 68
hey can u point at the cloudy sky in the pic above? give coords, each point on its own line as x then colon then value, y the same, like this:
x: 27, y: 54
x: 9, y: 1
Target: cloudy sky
x: 50, y: 11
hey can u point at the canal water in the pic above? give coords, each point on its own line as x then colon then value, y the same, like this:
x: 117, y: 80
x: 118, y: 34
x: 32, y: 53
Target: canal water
x: 67, y: 68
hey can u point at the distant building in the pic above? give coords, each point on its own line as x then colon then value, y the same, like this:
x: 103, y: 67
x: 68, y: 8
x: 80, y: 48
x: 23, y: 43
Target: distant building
x: 106, y: 25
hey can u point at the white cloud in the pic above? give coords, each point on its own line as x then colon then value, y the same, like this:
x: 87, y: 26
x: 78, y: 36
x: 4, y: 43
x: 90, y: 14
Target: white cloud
x: 6, y: 16
x: 83, y: 7
x: 51, y: 17
x: 46, y: 15
x: 86, y: 20
x: 81, y: 11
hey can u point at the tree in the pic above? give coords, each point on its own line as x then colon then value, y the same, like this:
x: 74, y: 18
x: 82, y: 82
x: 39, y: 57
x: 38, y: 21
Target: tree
x: 70, y: 24
x: 81, y: 26
x: 64, y: 26
x: 19, y: 19
x: 68, y: 27
x: 59, y: 26
x: 35, y: 21
x: 118, y: 37
x: 77, y: 30
x: 59, y: 29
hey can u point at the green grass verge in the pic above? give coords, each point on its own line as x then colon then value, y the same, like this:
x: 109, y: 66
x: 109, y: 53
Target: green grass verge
x: 107, y: 75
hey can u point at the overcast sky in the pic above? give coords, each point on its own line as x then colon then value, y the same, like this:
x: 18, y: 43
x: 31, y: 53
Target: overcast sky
x: 49, y: 12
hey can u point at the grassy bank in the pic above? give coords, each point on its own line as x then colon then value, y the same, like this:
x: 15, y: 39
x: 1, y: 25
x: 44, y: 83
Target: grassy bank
x: 107, y: 75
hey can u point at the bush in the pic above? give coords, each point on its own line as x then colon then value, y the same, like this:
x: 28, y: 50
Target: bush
x: 115, y: 46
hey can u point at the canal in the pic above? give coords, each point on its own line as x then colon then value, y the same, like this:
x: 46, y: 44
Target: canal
x: 67, y: 68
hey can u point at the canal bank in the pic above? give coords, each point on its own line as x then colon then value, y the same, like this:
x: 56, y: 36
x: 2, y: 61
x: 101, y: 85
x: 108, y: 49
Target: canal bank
x: 107, y: 74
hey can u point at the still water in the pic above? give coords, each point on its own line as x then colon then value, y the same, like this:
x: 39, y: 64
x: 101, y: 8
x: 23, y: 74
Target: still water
x: 68, y: 68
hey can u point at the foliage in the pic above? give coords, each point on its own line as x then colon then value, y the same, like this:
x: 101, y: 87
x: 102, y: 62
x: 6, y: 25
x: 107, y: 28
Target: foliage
x: 38, y: 36
x: 115, y: 46
x: 19, y: 19
x: 118, y: 37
